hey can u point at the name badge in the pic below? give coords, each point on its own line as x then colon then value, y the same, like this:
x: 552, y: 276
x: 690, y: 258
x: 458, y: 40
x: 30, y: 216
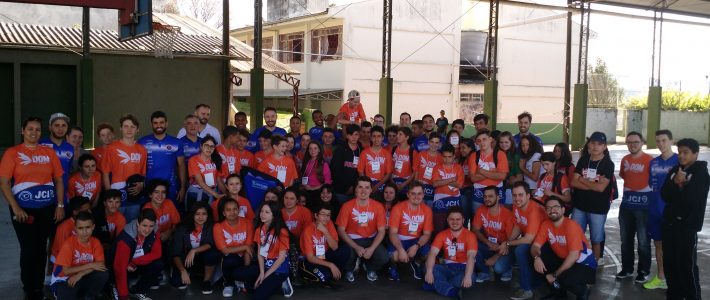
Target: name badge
x: 230, y: 164
x: 352, y: 118
x: 454, y: 140
x: 427, y: 172
x: 398, y: 165
x: 304, y: 180
x: 242, y: 211
x: 539, y: 192
x: 376, y: 167
x: 452, y: 250
x: 209, y: 179
x: 356, y: 161
x: 413, y: 226
x: 87, y: 194
x: 320, y: 251
x: 493, y: 240
x: 362, y: 218
x: 139, y: 252
x: 484, y: 166
x: 592, y: 173
x: 264, y: 251
x: 281, y: 175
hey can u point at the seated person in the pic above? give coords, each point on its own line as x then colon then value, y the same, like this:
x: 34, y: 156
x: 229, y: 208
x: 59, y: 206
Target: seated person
x: 493, y: 225
x: 138, y: 252
x: 319, y: 244
x: 193, y: 246
x: 410, y: 227
x: 66, y: 229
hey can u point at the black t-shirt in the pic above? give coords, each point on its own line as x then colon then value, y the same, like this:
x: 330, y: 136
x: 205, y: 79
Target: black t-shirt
x: 593, y: 201
x: 442, y: 122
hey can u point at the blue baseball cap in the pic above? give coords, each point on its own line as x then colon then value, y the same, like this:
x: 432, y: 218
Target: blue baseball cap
x: 598, y: 136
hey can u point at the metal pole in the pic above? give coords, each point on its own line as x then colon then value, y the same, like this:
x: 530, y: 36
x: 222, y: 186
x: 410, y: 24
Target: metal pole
x: 86, y: 31
x: 568, y: 79
x: 87, y: 79
x: 226, y: 64
x: 386, y: 82
x: 257, y: 73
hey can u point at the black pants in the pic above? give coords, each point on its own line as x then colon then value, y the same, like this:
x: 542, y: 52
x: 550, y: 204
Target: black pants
x: 33, y: 246
x: 680, y: 261
x: 575, y: 278
x: 88, y: 287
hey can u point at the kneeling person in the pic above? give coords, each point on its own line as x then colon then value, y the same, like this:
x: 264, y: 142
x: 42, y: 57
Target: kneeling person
x: 138, y: 251
x: 193, y: 245
x: 410, y: 227
x: 319, y: 244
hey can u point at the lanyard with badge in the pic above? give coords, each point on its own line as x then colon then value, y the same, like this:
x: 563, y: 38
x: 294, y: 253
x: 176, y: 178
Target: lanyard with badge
x: 362, y: 217
x: 309, y: 168
x: 281, y: 172
x: 356, y: 156
x: 429, y: 170
x: 414, y: 225
x: 592, y: 173
x: 376, y: 163
x: 86, y: 192
x: 231, y: 159
x: 209, y: 174
x: 320, y: 248
x: 139, y: 247
x: 451, y: 251
x: 265, y: 244
x: 398, y: 163
x: 492, y: 225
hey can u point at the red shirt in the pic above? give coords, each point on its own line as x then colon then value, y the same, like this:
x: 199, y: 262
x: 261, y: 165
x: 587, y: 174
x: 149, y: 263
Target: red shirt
x: 466, y: 241
x: 27, y: 168
x: 167, y: 215
x: 529, y: 220
x: 298, y: 220
x: 486, y: 162
x: 89, y: 188
x: 442, y: 172
x: 122, y: 161
x: 116, y: 222
x: 73, y: 253
x: 356, y: 114
x: 275, y: 244
x: 375, y: 164
x: 635, y: 172
x: 425, y: 163
x: 233, y: 159
x: 545, y: 183
x: 496, y: 227
x: 65, y: 230
x: 283, y: 169
x: 206, y: 169
x: 411, y: 223
x: 226, y: 235
x: 361, y: 221
x: 98, y: 153
x: 312, y: 238
x: 568, y: 237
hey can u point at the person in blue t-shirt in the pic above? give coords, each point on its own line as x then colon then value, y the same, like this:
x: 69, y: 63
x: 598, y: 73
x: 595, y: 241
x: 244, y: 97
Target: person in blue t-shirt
x: 270, y: 120
x: 419, y: 140
x: 524, y: 123
x: 166, y: 157
x: 295, y: 131
x: 203, y: 112
x: 58, y: 128
x: 316, y: 132
x: 191, y: 141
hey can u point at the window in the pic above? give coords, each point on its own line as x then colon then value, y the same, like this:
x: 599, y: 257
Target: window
x: 326, y: 44
x: 267, y: 44
x: 291, y: 47
x: 470, y: 106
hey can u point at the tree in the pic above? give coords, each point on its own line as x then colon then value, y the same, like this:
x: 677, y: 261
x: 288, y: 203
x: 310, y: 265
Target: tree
x: 604, y: 89
x: 208, y: 11
x: 166, y: 6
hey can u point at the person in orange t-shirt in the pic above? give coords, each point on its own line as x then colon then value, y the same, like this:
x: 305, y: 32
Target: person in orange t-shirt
x: 109, y: 221
x: 86, y: 182
x: 165, y: 211
x: 362, y: 226
x: 485, y: 170
x: 410, y: 228
x: 234, y: 187
x: 319, y: 244
x: 66, y: 229
x: 79, y: 271
x: 424, y: 164
x: 352, y: 111
x: 205, y: 174
x: 448, y: 180
x: 493, y: 225
x: 375, y: 161
x: 458, y: 246
x: 278, y: 164
x: 233, y: 237
x: 403, y: 160
x: 271, y: 237
x: 295, y: 216
x: 552, y: 182
x: 265, y: 148
x: 105, y: 133
x: 234, y: 157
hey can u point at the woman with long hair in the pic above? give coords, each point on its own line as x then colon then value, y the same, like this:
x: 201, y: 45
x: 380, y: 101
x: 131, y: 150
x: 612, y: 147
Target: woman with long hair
x: 467, y: 147
x: 552, y: 183
x: 234, y: 190
x: 204, y: 170
x: 506, y: 143
x: 271, y: 237
x: 315, y: 171
x: 193, y: 247
x: 233, y: 238
x: 530, y: 152
x: 326, y: 197
x: 564, y: 160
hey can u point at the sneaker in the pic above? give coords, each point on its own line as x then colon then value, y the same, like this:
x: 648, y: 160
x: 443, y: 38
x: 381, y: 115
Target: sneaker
x: 349, y: 276
x: 642, y: 277
x: 394, y: 275
x: 483, y: 277
x: 206, y: 287
x: 181, y: 286
x: 239, y: 285
x: 165, y: 279
x: 372, y: 275
x: 624, y: 274
x: 656, y: 283
x: 507, y: 276
x: 416, y: 270
x: 228, y: 291
x: 287, y: 288
x: 139, y: 296
x: 522, y: 295
x: 154, y: 287
x: 113, y: 292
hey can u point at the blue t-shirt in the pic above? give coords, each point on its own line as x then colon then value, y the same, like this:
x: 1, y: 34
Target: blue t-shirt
x: 162, y: 158
x: 296, y: 144
x: 517, y: 139
x: 189, y: 147
x: 658, y: 171
x: 421, y: 143
x: 65, y: 152
x: 316, y: 133
x: 253, y: 143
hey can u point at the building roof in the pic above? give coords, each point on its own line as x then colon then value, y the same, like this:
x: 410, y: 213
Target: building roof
x: 693, y: 8
x: 315, y: 94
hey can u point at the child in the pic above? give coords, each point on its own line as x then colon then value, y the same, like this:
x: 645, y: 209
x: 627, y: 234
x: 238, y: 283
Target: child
x: 138, y: 251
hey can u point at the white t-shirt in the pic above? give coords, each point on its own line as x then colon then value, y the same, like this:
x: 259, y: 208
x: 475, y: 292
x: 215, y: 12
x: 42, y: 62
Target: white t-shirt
x: 209, y: 129
x: 529, y: 166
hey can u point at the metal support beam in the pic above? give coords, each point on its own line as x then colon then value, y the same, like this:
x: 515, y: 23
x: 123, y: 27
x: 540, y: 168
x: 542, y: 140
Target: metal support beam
x: 655, y: 91
x: 226, y: 64
x: 256, y: 99
x: 578, y: 129
x: 490, y: 87
x: 490, y: 102
x: 86, y: 70
x: 568, y: 79
x: 386, y: 82
x: 294, y: 83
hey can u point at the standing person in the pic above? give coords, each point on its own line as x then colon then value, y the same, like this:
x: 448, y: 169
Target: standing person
x: 278, y: 164
x: 552, y: 183
x: 79, y: 271
x: 493, y: 225
x: 316, y: 132
x: 362, y: 227
x: 193, y: 248
x: 442, y: 123
x: 658, y: 169
x: 379, y: 120
x: 295, y: 131
x: 352, y: 112
x: 240, y: 120
x: 205, y: 175
x: 410, y: 229
x: 480, y: 121
x: 425, y: 162
x: 105, y: 133
x: 593, y: 175
x: 529, y: 163
x: 319, y: 244
x: 685, y: 192
x: 403, y: 160
x: 447, y: 180
x: 229, y: 150
x: 270, y: 117
x: 458, y: 247
x: 633, y: 211
x: 561, y: 253
x: 265, y: 148
x: 298, y: 156
x: 138, y: 251
x: 524, y: 123
x: 390, y: 137
x: 315, y: 173
x: 75, y: 138
x: 506, y: 143
x: 487, y: 167
x: 31, y: 183
x: 191, y: 141
x: 86, y: 182
x: 405, y: 119
x: 233, y: 237
x: 467, y: 148
x: 346, y: 158
x: 233, y: 183
x: 58, y: 129
x: 376, y: 162
x: 202, y: 112
x: 365, y: 131
x: 428, y: 125
x: 166, y: 157
x: 459, y: 126
x: 124, y: 167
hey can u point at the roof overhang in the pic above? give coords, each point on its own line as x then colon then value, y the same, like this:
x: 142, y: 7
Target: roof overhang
x: 691, y: 8
x: 311, y: 94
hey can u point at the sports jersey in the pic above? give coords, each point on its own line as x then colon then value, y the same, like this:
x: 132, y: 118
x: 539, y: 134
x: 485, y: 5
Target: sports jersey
x: 446, y: 243
x: 162, y: 158
x: 486, y: 162
x: 206, y: 169
x: 73, y: 253
x: 375, y: 164
x: 270, y: 245
x: 65, y: 153
x: 234, y: 159
x: 226, y: 235
x: 361, y: 221
x: 245, y: 210
x: 546, y: 182
x: 565, y: 238
x: 529, y: 220
x: 402, y: 163
x: 89, y: 188
x: 122, y: 161
x: 659, y: 169
x: 421, y: 143
x: 298, y: 220
x: 353, y: 114
x: 283, y: 169
x: 167, y: 215
x: 635, y: 172
x: 313, y: 241
x: 31, y: 172
x: 116, y: 222
x: 64, y: 231
x: 411, y: 223
x: 253, y: 143
x: 189, y: 147
x: 316, y: 133
x: 443, y: 172
x: 424, y: 164
x: 497, y: 228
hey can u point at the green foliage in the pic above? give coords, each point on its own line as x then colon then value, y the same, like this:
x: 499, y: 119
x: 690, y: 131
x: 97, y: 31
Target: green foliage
x: 672, y: 100
x: 604, y: 89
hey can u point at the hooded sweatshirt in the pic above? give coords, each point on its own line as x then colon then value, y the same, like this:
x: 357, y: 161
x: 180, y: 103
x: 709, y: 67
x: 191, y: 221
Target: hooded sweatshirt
x: 125, y: 255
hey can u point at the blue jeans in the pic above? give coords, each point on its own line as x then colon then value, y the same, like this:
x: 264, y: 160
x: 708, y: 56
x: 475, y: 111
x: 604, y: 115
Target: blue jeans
x: 130, y: 211
x: 448, y: 278
x: 595, y: 221
x: 529, y: 279
x: 502, y: 266
x: 633, y: 222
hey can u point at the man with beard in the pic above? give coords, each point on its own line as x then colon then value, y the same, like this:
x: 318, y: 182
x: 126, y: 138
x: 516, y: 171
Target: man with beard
x: 493, y: 225
x: 316, y: 131
x: 524, y: 123
x: 166, y: 157
x: 202, y: 111
x: 58, y: 127
x: 270, y: 121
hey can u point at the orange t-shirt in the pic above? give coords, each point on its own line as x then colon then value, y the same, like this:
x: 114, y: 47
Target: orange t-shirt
x: 260, y: 156
x: 375, y: 164
x: 245, y: 210
x: 167, y: 215
x: 122, y: 161
x: 361, y: 221
x: 411, y: 223
x: 28, y: 168
x: 298, y: 220
x: 466, y: 241
x: 568, y: 237
x: 89, y: 188
x: 226, y: 235
x: 529, y: 220
x: 64, y: 231
x: 116, y: 222
x: 206, y: 169
x: 443, y: 172
x: 356, y: 114
x: 425, y: 163
x: 275, y: 244
x: 401, y: 163
x: 497, y: 228
x: 283, y: 169
x: 233, y: 159
x: 466, y: 172
x: 486, y: 163
x: 545, y: 183
x: 635, y: 172
x: 311, y: 238
x: 73, y: 253
x: 98, y: 153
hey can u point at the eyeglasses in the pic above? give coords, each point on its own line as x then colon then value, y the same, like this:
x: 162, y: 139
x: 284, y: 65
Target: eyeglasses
x: 555, y: 207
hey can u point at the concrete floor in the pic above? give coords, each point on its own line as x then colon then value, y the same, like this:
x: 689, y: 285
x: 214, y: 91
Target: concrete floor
x: 607, y: 286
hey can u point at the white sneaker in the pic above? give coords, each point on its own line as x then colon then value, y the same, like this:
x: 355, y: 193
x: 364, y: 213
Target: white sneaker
x: 228, y: 291
x: 372, y: 276
x: 140, y: 297
x: 287, y: 288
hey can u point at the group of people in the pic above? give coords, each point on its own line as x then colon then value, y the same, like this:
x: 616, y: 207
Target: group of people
x: 135, y: 213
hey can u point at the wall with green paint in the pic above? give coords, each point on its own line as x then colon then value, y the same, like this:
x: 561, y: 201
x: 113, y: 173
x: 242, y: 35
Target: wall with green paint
x: 552, y: 133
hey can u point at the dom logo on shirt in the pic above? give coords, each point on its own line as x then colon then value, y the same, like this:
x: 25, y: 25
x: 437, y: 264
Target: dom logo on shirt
x: 125, y: 157
x: 38, y: 159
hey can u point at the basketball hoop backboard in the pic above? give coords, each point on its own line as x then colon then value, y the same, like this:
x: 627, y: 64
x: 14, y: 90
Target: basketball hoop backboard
x: 136, y: 24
